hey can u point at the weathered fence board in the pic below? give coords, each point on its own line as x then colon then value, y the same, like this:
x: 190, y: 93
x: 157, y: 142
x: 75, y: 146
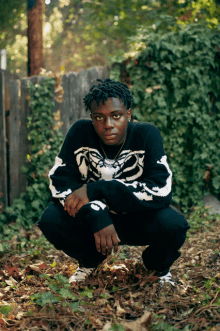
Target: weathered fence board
x: 75, y: 85
x: 14, y: 141
x: 5, y: 77
x: 85, y: 85
x: 65, y: 105
x: 74, y: 97
x: 8, y: 77
x: 3, y: 146
x: 24, y: 147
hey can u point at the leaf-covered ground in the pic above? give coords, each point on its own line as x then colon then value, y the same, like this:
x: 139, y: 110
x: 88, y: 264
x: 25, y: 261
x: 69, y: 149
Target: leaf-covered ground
x: 35, y: 293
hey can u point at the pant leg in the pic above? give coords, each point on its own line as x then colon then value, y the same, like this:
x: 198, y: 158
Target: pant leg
x: 73, y: 236
x: 164, y: 231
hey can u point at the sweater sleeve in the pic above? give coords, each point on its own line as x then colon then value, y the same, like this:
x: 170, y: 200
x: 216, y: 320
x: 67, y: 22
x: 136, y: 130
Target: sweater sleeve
x: 154, y: 189
x: 64, y: 176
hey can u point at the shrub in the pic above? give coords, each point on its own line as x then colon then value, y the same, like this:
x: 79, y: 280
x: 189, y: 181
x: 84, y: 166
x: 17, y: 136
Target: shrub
x: 175, y: 81
x: 46, y: 138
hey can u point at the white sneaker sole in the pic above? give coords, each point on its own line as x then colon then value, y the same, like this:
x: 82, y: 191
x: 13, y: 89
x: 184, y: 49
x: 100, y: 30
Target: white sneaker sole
x: 80, y: 274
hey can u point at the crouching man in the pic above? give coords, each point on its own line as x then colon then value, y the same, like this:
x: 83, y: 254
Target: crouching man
x: 110, y: 186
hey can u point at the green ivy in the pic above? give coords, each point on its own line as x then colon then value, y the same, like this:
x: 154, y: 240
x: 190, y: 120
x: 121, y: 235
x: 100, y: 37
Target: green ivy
x: 174, y: 76
x: 45, y: 140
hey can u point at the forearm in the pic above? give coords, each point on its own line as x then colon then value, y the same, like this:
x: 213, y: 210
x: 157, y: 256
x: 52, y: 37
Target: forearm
x: 97, y: 215
x: 64, y: 180
x: 154, y: 191
x: 120, y: 198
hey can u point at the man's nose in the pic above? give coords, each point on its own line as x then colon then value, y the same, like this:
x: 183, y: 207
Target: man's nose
x: 109, y: 123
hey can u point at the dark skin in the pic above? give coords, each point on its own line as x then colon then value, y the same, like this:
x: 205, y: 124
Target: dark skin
x: 110, y: 121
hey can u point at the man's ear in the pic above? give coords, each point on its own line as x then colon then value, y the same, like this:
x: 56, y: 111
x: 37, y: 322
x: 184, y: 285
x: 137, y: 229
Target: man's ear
x: 129, y: 112
x: 91, y: 116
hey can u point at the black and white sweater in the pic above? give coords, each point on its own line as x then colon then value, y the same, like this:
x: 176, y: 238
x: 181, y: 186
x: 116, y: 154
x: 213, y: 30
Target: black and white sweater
x: 139, y: 179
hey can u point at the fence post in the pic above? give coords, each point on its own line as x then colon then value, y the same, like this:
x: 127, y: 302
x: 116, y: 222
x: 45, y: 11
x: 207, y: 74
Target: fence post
x: 24, y: 147
x: 86, y: 79
x: 74, y: 97
x: 65, y: 106
x: 3, y: 151
x: 84, y: 88
x: 76, y: 86
x: 14, y: 141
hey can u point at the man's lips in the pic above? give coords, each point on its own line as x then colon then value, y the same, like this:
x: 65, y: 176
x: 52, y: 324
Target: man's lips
x: 110, y: 136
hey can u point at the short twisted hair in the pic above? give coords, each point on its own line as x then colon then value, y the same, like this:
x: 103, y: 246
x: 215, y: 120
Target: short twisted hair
x: 108, y: 89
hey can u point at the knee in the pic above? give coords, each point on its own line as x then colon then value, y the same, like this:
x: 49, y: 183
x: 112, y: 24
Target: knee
x: 51, y: 214
x: 173, y: 226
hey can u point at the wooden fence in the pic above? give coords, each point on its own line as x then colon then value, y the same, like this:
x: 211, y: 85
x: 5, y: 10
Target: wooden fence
x: 14, y: 110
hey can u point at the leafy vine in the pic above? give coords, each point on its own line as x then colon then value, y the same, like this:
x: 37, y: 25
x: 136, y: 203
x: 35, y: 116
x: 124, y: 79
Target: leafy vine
x: 45, y: 139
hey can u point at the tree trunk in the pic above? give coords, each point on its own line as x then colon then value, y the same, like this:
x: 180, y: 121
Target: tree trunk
x: 35, y: 36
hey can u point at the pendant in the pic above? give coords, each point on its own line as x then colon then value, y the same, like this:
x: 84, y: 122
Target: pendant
x: 108, y: 170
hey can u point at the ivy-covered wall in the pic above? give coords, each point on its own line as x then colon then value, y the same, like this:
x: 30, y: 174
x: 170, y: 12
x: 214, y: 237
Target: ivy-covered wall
x: 46, y: 138
x: 175, y: 81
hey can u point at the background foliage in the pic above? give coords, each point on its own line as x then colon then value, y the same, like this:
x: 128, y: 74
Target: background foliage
x: 175, y: 81
x: 45, y: 140
x: 80, y: 34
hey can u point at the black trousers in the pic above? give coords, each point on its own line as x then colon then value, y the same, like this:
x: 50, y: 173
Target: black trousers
x: 163, y: 230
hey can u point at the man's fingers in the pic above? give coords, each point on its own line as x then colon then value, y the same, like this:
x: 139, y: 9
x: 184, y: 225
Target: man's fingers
x: 118, y: 239
x: 109, y: 245
x: 115, y: 243
x: 79, y: 206
x: 103, y: 245
x: 98, y: 243
x: 70, y: 206
x: 68, y: 201
x: 74, y: 203
x: 71, y: 212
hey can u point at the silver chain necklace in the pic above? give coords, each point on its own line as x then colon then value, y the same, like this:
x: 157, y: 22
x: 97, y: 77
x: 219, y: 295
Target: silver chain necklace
x: 118, y: 151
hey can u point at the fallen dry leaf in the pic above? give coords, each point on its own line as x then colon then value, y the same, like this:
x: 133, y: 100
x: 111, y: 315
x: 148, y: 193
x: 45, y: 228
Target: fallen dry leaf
x: 107, y: 326
x: 121, y: 294
x: 119, y: 310
x: 141, y: 324
x: 38, y: 266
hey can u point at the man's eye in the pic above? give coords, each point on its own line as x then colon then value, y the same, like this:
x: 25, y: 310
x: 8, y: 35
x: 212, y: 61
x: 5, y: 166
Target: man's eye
x: 117, y: 116
x: 98, y: 118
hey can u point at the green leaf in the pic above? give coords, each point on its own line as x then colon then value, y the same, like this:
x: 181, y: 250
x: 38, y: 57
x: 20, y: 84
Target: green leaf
x: 87, y: 293
x: 216, y: 182
x: 5, y: 310
x: 45, y: 298
x: 167, y: 66
x: 35, y: 204
x: 47, y: 277
x: 62, y: 279
x: 117, y: 327
x: 65, y: 293
x: 75, y: 306
x: 54, y: 287
x: 88, y: 322
x: 53, y: 264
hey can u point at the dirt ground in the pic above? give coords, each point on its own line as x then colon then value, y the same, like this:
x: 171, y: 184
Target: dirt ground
x: 127, y: 298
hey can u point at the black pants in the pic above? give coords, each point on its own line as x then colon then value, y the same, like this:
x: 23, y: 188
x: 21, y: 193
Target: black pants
x: 163, y: 230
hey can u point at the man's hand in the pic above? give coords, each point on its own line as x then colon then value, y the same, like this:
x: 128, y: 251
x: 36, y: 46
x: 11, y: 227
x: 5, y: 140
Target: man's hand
x: 76, y: 200
x: 106, y: 239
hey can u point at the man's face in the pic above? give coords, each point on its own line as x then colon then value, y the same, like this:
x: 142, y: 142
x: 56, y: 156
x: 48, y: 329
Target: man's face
x: 110, y: 120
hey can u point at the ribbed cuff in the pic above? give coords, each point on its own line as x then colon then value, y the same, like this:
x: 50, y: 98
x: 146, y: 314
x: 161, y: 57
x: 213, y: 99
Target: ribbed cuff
x: 100, y: 223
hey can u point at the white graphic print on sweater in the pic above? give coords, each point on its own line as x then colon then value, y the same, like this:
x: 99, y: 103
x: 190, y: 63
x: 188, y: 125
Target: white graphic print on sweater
x: 56, y: 193
x: 93, y: 166
x: 126, y: 169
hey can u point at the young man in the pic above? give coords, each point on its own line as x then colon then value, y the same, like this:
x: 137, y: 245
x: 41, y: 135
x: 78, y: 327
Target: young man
x: 111, y: 185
